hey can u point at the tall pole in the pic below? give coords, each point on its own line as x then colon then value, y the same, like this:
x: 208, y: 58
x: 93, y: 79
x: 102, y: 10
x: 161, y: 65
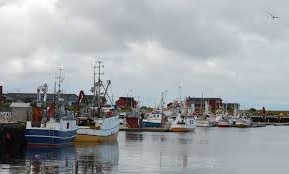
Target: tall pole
x: 98, y: 87
x: 94, y: 91
x: 60, y: 79
x: 131, y: 100
x: 180, y: 93
x: 162, y: 109
x: 54, y: 92
x: 202, y: 100
x: 94, y: 87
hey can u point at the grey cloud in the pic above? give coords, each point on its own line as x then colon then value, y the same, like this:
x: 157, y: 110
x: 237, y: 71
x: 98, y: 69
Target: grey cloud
x: 228, y: 49
x: 185, y: 30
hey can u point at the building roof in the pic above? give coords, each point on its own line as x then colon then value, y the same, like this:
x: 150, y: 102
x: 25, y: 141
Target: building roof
x: 20, y: 105
x: 199, y: 98
x: 30, y: 97
x: 231, y: 103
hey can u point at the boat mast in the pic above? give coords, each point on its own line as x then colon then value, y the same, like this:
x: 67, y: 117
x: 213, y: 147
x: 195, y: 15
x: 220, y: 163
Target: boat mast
x: 60, y: 80
x: 98, y: 66
x: 94, y: 86
x: 180, y: 93
x: 54, y: 92
x: 162, y: 108
x: 202, y: 101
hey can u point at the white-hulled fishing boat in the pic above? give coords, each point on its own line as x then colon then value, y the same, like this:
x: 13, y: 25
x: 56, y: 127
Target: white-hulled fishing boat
x: 99, y: 122
x: 183, y: 123
x: 205, y: 119
x: 184, y: 120
x: 224, y: 122
x: 243, y: 122
x: 204, y: 123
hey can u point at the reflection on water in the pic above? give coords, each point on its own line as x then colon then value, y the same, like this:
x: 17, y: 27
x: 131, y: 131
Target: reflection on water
x: 51, y: 160
x: 97, y: 158
x: 132, y: 136
x: 85, y: 158
x: 154, y: 152
x: 205, y: 151
x: 11, y: 157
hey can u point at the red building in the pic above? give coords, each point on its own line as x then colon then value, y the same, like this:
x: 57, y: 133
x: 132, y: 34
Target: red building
x: 126, y: 103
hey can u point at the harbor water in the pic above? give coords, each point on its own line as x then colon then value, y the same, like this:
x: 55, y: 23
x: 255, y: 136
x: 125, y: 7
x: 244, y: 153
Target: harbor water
x: 206, y: 150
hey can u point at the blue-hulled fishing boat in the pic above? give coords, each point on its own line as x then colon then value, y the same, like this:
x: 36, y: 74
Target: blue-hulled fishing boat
x: 153, y: 120
x: 156, y: 118
x: 51, y: 133
x: 51, y: 125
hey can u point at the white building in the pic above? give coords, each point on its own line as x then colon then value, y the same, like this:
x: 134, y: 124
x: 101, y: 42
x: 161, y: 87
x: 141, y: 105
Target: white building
x: 21, y: 111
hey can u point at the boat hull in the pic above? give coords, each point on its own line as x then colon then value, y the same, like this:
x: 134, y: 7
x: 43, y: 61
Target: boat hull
x: 106, y: 133
x: 204, y: 123
x: 242, y: 126
x: 151, y: 124
x: 243, y: 123
x: 96, y: 138
x: 49, y: 137
x: 51, y: 133
x: 223, y: 124
x: 178, y: 129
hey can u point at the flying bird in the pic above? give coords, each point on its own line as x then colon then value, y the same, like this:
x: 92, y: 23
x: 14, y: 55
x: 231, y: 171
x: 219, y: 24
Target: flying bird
x: 273, y: 16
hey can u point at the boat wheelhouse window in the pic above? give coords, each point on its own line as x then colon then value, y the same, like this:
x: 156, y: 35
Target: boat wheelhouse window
x: 67, y: 125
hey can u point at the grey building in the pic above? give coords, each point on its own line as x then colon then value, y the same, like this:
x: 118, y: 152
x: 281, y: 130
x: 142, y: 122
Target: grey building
x: 21, y: 111
x: 231, y: 108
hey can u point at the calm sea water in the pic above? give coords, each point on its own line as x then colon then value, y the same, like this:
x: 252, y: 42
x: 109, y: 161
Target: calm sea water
x: 205, y: 151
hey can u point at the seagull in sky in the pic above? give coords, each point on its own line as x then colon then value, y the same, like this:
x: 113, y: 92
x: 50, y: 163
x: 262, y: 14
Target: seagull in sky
x: 273, y: 16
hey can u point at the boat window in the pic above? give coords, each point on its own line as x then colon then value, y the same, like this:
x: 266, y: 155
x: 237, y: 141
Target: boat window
x: 67, y: 125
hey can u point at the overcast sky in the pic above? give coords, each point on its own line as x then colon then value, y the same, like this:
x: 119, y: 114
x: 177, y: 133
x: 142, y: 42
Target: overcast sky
x: 224, y: 48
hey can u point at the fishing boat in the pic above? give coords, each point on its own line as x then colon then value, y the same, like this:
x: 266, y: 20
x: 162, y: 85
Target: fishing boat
x: 134, y: 119
x: 51, y: 125
x: 183, y: 123
x: 154, y: 119
x: 183, y: 119
x: 204, y: 123
x: 98, y: 122
x: 205, y: 119
x: 243, y: 122
x: 224, y: 122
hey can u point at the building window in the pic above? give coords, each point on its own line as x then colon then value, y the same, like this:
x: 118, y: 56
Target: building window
x: 67, y: 125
